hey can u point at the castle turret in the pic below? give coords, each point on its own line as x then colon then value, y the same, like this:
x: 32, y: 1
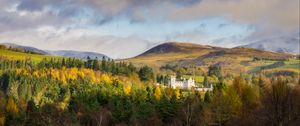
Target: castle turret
x: 172, y: 81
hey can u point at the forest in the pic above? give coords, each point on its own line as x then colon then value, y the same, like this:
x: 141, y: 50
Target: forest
x: 69, y: 91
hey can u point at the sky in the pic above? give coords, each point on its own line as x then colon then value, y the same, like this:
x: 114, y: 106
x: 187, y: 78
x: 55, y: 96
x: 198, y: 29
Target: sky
x: 126, y: 28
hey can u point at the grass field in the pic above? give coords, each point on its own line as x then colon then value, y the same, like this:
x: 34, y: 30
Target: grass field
x: 13, y: 55
x: 198, y: 79
x: 292, y: 64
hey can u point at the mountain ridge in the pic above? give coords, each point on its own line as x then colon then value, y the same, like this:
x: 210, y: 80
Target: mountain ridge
x: 282, y: 44
x: 174, y: 47
x: 63, y: 53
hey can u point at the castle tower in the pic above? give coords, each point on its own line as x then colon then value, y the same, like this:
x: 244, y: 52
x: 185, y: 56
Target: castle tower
x: 172, y: 82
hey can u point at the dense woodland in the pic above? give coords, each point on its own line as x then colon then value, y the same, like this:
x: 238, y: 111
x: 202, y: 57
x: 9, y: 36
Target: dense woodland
x: 68, y: 91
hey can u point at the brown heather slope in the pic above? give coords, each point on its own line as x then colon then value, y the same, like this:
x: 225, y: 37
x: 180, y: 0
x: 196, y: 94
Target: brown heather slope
x: 171, y: 53
x: 232, y: 60
x: 173, y: 47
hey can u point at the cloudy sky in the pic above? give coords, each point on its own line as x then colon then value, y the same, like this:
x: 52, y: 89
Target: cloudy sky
x: 125, y: 28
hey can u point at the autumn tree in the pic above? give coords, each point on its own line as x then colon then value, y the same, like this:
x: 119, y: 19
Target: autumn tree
x: 11, y: 106
x: 281, y: 104
x: 157, y: 93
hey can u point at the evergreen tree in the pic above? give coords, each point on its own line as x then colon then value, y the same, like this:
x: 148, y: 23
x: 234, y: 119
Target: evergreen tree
x: 214, y: 70
x: 63, y: 62
x: 95, y: 64
x: 146, y: 73
x: 205, y: 81
x: 104, y: 64
x: 89, y: 62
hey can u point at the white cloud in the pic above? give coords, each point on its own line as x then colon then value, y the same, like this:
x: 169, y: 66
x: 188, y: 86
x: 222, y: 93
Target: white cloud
x: 59, y: 24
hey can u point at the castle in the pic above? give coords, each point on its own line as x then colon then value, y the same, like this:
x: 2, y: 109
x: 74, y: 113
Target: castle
x: 187, y: 84
x: 182, y: 83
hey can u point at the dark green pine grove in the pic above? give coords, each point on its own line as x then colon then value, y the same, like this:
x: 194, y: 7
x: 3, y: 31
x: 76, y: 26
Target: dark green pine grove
x: 104, y: 92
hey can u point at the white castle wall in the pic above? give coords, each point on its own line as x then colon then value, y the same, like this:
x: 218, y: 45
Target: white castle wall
x: 186, y: 84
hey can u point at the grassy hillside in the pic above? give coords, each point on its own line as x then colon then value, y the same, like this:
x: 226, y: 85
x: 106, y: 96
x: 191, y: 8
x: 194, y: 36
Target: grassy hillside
x: 14, y: 55
x: 233, y: 61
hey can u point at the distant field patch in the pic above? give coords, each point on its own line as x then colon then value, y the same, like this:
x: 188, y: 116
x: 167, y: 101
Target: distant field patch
x: 198, y: 79
x: 21, y: 56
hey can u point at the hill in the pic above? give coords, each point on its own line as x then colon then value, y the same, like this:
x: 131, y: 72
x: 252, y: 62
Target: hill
x: 173, y: 47
x: 77, y: 54
x: 232, y: 60
x: 62, y: 53
x: 24, y: 48
x: 17, y: 55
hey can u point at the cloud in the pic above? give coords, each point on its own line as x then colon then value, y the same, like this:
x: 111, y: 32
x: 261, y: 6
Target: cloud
x: 271, y: 13
x: 12, y: 19
x: 66, y: 24
x: 280, y: 13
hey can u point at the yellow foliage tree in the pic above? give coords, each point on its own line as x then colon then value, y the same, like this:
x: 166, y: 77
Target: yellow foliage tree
x: 73, y: 74
x: 177, y: 93
x: 65, y: 102
x: 127, y: 89
x: 157, y: 93
x: 36, y: 73
x: 93, y: 78
x: 81, y: 74
x: 63, y: 78
x: 106, y: 78
x: 55, y: 74
x: 2, y: 120
x: 11, y: 106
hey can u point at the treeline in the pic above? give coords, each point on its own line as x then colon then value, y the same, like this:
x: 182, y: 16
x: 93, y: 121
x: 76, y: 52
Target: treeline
x: 274, y: 65
x: 270, y: 59
x: 105, y: 65
x: 182, y: 70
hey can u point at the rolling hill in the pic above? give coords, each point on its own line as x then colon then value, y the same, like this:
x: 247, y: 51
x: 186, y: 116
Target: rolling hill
x: 25, y: 48
x: 77, y: 54
x: 62, y: 53
x: 233, y: 60
x: 17, y: 55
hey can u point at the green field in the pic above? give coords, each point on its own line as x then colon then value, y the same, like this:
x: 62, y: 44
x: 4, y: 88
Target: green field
x: 292, y: 64
x: 13, y: 55
x: 198, y: 79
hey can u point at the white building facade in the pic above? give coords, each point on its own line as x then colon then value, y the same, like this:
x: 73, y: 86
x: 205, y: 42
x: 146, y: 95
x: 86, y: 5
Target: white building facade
x: 205, y: 89
x: 187, y: 84
x: 181, y: 83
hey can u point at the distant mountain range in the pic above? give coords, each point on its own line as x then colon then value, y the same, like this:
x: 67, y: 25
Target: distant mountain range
x: 25, y: 48
x: 282, y: 44
x: 77, y: 54
x: 63, y: 53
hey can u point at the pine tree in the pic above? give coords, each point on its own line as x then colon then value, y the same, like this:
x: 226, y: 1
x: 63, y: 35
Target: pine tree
x: 95, y: 64
x: 146, y: 73
x: 205, y: 81
x: 104, y: 64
